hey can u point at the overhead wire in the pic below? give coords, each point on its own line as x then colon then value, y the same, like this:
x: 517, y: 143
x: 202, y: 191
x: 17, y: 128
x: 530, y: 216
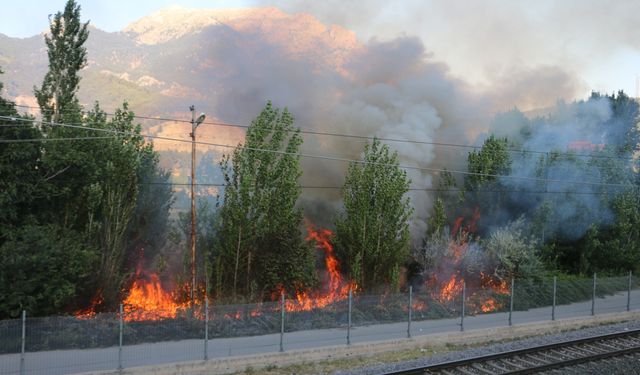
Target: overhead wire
x: 362, y: 137
x: 438, y: 190
x: 333, y: 158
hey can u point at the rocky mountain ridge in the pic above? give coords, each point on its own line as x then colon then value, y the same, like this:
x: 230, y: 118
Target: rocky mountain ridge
x: 176, y: 57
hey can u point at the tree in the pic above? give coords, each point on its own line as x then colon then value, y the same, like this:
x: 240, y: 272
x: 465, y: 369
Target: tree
x: 511, y: 254
x: 492, y: 160
x: 111, y: 194
x: 67, y: 55
x: 19, y: 163
x: 260, y: 248
x: 372, y: 234
x: 43, y: 268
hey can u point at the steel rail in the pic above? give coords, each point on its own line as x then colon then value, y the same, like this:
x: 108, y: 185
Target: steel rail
x: 450, y: 367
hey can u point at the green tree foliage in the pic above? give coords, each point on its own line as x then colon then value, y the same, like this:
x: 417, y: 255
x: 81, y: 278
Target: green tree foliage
x: 492, y: 160
x: 372, y: 235
x: 260, y: 245
x: 510, y: 253
x: 67, y: 55
x: 111, y: 193
x: 148, y: 228
x: 72, y: 210
x: 42, y: 269
x: 19, y: 163
x: 438, y: 220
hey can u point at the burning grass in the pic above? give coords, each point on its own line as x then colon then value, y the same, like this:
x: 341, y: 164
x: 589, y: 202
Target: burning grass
x: 70, y: 332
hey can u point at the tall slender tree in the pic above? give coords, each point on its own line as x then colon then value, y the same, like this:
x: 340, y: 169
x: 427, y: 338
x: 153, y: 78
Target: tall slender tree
x: 261, y: 248
x: 372, y: 234
x: 67, y: 56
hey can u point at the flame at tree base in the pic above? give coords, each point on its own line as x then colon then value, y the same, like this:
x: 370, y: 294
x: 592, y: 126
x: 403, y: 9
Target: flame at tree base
x: 336, y: 289
x: 147, y: 300
x: 480, y: 287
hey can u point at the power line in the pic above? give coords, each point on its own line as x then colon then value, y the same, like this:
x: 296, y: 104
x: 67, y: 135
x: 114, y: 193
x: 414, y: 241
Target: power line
x: 333, y: 158
x: 411, y: 189
x: 363, y: 137
x: 25, y: 140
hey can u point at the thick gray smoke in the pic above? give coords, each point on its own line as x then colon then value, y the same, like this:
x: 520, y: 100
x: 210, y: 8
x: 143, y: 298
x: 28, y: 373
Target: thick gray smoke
x: 385, y: 89
x: 391, y: 88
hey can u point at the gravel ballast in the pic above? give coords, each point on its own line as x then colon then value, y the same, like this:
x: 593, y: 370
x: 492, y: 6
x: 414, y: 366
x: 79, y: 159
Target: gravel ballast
x: 617, y: 366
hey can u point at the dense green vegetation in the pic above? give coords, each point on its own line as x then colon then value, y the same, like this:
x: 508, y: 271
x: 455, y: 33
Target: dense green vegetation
x: 372, y: 235
x: 84, y: 203
x: 75, y: 213
x: 260, y: 247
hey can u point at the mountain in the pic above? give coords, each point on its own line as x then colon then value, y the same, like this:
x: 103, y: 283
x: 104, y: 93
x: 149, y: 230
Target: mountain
x: 164, y: 62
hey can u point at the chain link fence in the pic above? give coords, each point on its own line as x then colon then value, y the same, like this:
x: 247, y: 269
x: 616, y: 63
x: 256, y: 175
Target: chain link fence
x: 130, y: 338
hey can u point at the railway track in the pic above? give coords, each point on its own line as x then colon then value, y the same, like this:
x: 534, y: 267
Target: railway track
x: 565, y: 354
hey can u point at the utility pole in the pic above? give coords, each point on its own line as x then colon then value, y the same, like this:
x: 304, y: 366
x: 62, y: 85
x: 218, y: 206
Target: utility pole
x: 194, y: 125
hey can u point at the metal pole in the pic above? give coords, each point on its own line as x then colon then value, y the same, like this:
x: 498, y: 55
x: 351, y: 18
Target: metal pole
x: 349, y: 322
x: 629, y: 293
x: 410, y: 311
x: 120, y: 339
x: 24, y: 337
x: 553, y: 306
x: 193, y: 204
x: 593, y: 296
x: 206, y: 327
x: 282, y: 307
x: 464, y: 291
x: 511, y: 300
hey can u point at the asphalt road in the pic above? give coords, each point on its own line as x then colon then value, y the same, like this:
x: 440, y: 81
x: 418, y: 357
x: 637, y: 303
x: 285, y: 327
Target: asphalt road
x: 74, y: 361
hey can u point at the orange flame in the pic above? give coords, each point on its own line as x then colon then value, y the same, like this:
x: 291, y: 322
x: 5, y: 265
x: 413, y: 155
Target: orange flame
x: 457, y: 248
x: 90, y: 312
x: 451, y: 289
x: 147, y: 300
x: 489, y: 305
x: 336, y: 288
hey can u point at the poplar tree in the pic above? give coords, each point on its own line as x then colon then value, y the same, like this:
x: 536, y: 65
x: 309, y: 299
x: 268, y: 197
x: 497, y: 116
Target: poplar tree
x: 67, y: 56
x: 261, y: 249
x: 372, y: 234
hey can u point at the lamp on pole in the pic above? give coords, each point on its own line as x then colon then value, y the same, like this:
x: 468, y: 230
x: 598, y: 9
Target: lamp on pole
x: 194, y: 125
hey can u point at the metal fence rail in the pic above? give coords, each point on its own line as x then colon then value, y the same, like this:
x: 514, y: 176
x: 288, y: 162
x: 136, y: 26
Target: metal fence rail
x: 129, y: 338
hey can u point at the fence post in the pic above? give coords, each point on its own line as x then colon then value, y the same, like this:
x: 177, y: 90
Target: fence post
x: 206, y: 327
x: 553, y: 306
x: 282, y: 307
x: 120, y: 339
x: 349, y: 317
x: 593, y: 296
x: 24, y: 337
x: 464, y: 291
x: 511, y: 300
x: 629, y: 292
x: 410, y: 311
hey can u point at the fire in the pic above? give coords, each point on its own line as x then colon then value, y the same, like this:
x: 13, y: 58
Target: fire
x: 451, y: 271
x: 451, y: 289
x: 147, y: 300
x: 489, y: 305
x: 90, y: 312
x: 336, y: 288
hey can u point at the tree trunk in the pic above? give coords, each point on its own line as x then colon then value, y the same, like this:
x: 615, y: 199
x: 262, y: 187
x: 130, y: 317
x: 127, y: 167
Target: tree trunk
x: 235, y: 270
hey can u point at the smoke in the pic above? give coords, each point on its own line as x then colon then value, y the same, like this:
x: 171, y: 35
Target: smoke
x: 487, y: 42
x: 385, y: 89
x: 391, y: 87
x: 575, y: 152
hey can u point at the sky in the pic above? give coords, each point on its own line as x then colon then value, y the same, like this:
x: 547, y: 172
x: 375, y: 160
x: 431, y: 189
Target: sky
x: 595, y: 42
